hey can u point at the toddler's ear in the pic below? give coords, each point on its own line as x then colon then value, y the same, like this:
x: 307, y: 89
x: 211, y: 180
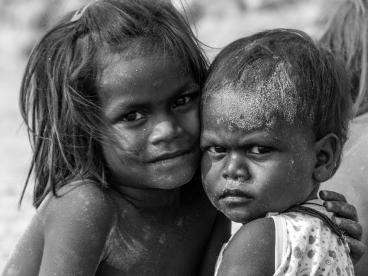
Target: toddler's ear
x: 328, y: 151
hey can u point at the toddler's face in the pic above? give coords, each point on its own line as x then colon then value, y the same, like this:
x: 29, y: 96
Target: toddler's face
x: 152, y: 106
x: 252, y: 164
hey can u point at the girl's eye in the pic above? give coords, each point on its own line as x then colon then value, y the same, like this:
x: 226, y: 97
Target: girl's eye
x: 259, y: 150
x: 183, y: 100
x: 132, y: 116
x: 216, y: 150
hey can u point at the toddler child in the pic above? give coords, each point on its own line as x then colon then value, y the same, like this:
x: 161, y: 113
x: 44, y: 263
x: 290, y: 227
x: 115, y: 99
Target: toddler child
x: 275, y: 116
x: 111, y: 99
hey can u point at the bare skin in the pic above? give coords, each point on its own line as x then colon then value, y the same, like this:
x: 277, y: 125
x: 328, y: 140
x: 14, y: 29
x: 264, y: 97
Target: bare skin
x: 96, y: 232
x: 87, y: 233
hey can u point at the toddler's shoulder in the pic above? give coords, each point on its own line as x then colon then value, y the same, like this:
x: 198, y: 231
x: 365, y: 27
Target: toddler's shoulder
x: 251, y: 249
x: 259, y: 232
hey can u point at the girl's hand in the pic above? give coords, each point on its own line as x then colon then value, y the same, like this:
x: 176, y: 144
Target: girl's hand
x: 346, y: 217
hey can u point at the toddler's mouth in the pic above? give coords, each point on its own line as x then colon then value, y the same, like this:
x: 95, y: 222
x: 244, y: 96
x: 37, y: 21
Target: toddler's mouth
x: 235, y: 196
x: 233, y: 192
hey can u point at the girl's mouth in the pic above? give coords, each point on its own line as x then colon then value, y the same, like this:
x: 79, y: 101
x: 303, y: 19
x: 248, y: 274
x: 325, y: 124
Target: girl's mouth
x: 169, y: 155
x: 176, y: 160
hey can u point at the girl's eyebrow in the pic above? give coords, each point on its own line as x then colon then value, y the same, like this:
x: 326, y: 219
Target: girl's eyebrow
x: 187, y: 87
x: 117, y: 108
x: 135, y: 103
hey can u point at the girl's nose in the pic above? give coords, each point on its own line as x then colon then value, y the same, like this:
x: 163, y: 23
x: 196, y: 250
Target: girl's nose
x: 235, y: 168
x: 164, y: 132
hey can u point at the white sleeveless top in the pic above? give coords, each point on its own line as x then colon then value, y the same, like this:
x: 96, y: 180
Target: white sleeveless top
x: 305, y: 245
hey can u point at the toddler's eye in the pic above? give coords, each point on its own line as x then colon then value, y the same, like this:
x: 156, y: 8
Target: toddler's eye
x: 259, y: 150
x: 216, y: 149
x: 132, y: 116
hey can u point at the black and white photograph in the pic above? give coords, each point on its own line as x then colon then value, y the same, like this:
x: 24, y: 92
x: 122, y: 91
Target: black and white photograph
x: 184, y: 137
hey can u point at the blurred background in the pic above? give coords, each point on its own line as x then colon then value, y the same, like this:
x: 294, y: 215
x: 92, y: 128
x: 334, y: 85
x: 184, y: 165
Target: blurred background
x: 22, y: 22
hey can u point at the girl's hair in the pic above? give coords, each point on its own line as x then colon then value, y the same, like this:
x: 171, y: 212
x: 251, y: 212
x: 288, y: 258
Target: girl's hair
x: 347, y: 37
x: 58, y: 98
x: 289, y: 77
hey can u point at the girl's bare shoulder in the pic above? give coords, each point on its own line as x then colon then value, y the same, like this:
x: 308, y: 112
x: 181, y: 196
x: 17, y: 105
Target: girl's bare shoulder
x: 78, y: 203
x: 73, y: 227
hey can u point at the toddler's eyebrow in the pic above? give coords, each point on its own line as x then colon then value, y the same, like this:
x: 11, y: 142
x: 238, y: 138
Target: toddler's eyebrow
x: 256, y: 136
x: 209, y: 135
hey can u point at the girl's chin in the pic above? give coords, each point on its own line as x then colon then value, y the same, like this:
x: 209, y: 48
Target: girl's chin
x: 174, y: 179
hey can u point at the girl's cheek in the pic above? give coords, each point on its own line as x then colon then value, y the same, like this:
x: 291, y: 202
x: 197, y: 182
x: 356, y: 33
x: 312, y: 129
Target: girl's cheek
x: 129, y: 142
x: 191, y: 123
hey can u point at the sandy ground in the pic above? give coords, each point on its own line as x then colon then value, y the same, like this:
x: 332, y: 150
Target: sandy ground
x: 221, y: 24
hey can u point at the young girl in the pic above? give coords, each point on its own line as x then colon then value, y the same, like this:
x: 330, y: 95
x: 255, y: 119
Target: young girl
x: 111, y: 98
x: 347, y: 37
x: 275, y: 116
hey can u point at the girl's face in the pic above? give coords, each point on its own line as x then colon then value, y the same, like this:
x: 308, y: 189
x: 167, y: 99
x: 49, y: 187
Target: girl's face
x: 152, y: 106
x: 252, y: 165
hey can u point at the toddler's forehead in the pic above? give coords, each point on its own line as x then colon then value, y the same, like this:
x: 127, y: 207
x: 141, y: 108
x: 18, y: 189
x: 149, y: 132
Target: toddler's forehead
x: 233, y: 109
x: 255, y: 100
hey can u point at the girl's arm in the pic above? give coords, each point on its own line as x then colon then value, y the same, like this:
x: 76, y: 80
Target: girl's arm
x: 347, y: 219
x: 220, y: 234
x: 76, y: 228
x: 67, y: 236
x: 26, y: 257
x: 251, y: 251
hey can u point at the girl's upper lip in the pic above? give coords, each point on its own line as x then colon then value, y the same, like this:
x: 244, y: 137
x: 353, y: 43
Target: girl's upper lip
x: 168, y: 155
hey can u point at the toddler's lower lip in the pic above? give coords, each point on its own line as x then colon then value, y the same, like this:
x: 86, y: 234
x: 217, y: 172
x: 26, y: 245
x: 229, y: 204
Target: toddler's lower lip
x: 236, y: 200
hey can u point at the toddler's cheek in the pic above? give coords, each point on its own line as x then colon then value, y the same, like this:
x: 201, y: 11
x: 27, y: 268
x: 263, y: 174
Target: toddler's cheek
x: 210, y: 190
x: 206, y: 165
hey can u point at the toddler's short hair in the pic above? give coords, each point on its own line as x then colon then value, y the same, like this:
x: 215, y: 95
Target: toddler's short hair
x: 290, y: 77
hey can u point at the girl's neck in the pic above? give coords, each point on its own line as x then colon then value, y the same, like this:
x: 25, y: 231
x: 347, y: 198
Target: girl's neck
x: 151, y: 199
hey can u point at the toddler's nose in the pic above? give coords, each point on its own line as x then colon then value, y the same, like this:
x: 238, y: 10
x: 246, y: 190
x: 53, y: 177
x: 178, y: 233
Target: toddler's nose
x: 235, y: 168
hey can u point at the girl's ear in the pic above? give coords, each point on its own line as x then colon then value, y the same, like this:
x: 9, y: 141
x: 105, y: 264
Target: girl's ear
x: 328, y: 152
